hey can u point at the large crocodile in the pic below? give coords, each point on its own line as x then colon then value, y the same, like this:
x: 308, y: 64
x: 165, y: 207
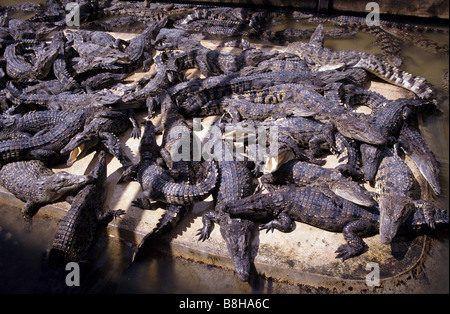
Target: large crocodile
x: 395, y: 184
x: 308, y: 205
x: 101, y: 130
x: 77, y: 229
x: 156, y: 182
x: 35, y: 184
x: 46, y: 146
x: 307, y: 174
x: 235, y: 182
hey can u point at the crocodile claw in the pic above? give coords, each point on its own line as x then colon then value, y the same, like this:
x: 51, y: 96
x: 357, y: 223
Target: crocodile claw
x: 345, y: 251
x: 203, y: 234
x: 268, y: 226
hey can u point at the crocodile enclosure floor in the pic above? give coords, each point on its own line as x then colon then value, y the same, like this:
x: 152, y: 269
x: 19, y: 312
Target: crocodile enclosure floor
x: 302, y: 261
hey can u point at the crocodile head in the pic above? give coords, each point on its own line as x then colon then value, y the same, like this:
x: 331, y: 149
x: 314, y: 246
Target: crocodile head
x: 237, y: 234
x: 78, y: 146
x: 359, y: 129
x: 393, y: 212
x: 62, y: 183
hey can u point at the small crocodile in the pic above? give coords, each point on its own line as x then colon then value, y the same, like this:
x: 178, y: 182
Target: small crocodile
x: 46, y: 146
x: 102, y: 129
x: 324, y: 58
x: 30, y: 123
x: 77, y: 229
x: 307, y: 174
x: 308, y: 205
x: 35, y: 184
x: 67, y: 101
x: 140, y: 48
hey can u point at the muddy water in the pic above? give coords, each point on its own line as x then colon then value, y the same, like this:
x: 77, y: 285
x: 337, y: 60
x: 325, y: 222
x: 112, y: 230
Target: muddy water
x: 23, y: 267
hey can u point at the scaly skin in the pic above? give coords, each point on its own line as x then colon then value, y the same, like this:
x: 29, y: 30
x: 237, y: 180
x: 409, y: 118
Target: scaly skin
x: 321, y: 57
x: 308, y: 205
x: 77, y: 229
x: 235, y: 182
x: 36, y: 185
x: 46, y: 146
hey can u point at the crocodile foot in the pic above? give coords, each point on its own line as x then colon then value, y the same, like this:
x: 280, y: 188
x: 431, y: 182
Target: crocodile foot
x: 346, y: 251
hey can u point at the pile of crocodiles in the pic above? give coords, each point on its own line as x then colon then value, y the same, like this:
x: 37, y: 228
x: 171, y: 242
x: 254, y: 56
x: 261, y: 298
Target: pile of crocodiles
x: 64, y: 93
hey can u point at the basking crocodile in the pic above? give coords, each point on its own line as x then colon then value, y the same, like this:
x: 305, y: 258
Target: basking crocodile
x: 389, y: 116
x: 102, y: 129
x: 395, y: 185
x: 18, y: 68
x: 77, y: 229
x: 324, y: 58
x: 46, y: 146
x: 326, y: 179
x: 29, y: 123
x: 235, y: 182
x: 308, y: 205
x: 140, y: 48
x: 67, y: 101
x: 34, y: 183
x: 156, y: 182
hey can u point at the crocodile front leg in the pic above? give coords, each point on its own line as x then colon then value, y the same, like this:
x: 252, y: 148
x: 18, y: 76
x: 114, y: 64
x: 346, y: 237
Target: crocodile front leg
x: 283, y: 223
x: 355, y: 245
x: 208, y: 219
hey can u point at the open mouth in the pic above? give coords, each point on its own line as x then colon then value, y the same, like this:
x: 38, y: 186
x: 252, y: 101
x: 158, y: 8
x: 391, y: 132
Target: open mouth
x: 75, y: 153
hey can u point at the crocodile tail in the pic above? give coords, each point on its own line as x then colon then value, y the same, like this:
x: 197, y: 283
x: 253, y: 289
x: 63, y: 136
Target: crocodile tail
x: 185, y: 194
x: 417, y: 84
x: 167, y: 222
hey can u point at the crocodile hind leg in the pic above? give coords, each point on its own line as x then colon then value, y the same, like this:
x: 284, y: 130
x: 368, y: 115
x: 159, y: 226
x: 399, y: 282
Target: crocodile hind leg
x: 352, y: 234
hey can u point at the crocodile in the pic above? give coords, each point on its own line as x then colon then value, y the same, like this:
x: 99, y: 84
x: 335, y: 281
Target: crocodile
x: 30, y: 123
x: 326, y: 179
x: 209, y: 62
x: 389, y: 117
x: 310, y: 206
x: 170, y: 38
x: 46, y: 146
x: 394, y: 183
x: 41, y: 64
x: 34, y: 183
x: 235, y: 182
x: 156, y: 82
x: 156, y: 182
x: 102, y: 129
x: 77, y: 229
x: 174, y: 125
x: 219, y: 86
x: 413, y: 144
x: 67, y: 101
x: 324, y: 58
x: 348, y: 123
x: 140, y: 48
x: 215, y: 14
